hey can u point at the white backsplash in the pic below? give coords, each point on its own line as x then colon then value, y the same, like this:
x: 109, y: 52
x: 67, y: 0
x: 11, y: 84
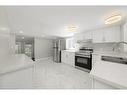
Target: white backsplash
x: 100, y: 46
x: 103, y: 47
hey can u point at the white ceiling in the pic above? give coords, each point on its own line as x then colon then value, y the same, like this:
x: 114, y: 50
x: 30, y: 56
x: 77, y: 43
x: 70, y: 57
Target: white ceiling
x: 52, y: 20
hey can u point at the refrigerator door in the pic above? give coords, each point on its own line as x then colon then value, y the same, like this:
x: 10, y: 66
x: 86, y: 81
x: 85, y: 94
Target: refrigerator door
x: 58, y: 45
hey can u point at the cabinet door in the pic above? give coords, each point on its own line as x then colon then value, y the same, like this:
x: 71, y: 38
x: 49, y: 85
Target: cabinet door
x: 68, y: 58
x: 63, y: 57
x: 71, y: 58
x: 112, y: 34
x: 98, y: 36
x: 101, y: 85
x: 87, y: 35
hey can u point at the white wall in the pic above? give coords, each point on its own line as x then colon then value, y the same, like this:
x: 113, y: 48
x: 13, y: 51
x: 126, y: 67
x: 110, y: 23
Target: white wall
x: 12, y: 43
x: 124, y: 36
x: 4, y: 35
x: 4, y: 45
x: 43, y: 48
x: 7, y: 39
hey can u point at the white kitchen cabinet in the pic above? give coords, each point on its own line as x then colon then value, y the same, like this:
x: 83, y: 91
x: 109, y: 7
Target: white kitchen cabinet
x: 82, y: 36
x: 104, y: 35
x: 111, y: 34
x: 71, y: 58
x: 87, y: 35
x: 108, y: 74
x: 97, y: 84
x: 98, y: 36
x: 64, y: 57
x: 68, y: 57
x: 101, y: 85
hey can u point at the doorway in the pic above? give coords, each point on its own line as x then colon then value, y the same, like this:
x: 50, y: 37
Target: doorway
x: 25, y: 45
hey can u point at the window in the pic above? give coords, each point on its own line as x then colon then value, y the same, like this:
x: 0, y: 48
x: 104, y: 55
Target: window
x: 70, y: 43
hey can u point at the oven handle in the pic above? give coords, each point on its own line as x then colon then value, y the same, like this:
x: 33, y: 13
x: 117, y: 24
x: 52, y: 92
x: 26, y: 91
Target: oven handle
x: 83, y: 57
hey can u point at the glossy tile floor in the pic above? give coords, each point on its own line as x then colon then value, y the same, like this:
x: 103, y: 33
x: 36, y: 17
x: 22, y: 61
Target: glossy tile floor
x: 48, y: 75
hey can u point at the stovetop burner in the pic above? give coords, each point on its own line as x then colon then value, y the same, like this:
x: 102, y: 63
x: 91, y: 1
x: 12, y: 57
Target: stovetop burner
x: 85, y: 51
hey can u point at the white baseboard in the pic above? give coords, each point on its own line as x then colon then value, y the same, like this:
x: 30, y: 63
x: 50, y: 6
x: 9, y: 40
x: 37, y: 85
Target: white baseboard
x: 45, y: 58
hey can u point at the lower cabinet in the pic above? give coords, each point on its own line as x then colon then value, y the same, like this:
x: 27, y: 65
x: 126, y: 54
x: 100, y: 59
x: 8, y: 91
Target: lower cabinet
x: 101, y: 85
x: 68, y: 57
x: 99, y: 72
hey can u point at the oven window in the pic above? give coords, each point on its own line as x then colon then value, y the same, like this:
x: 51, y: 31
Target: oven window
x: 82, y: 60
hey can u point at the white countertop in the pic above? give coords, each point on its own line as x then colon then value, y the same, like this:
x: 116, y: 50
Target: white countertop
x: 111, y: 73
x: 70, y: 50
x: 14, y: 63
x: 111, y: 53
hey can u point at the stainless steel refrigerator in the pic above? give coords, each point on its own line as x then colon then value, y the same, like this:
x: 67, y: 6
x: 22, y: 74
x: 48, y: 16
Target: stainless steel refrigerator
x: 58, y: 45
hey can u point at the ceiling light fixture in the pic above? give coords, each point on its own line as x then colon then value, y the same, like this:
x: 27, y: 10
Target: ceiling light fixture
x: 72, y: 28
x: 113, y: 19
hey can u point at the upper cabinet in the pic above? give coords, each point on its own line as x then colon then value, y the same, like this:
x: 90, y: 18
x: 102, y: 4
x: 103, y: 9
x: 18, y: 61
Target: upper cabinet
x: 104, y: 35
x: 87, y: 35
x: 98, y: 36
x: 81, y: 37
x: 111, y: 34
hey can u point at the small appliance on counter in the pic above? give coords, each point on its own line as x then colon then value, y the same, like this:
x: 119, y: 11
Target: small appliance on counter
x: 83, y: 59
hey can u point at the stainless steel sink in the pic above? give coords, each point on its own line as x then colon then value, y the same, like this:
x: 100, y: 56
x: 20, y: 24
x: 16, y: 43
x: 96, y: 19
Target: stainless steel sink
x: 120, y: 60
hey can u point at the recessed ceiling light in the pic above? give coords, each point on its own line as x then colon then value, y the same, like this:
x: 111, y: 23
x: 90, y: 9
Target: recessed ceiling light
x: 21, y: 31
x: 113, y: 19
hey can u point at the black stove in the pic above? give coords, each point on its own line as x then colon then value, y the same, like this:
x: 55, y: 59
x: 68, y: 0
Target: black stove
x: 83, y: 58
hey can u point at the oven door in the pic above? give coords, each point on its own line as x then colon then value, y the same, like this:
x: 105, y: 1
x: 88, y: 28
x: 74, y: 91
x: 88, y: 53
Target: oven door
x: 84, y: 62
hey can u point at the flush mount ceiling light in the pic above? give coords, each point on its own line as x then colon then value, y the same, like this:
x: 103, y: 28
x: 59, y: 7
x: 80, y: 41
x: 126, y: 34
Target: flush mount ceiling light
x: 113, y: 19
x: 72, y: 28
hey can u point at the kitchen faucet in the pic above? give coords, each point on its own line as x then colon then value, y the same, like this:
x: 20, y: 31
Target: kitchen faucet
x: 118, y: 44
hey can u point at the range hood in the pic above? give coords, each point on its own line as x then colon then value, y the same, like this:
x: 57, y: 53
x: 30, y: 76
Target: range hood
x: 85, y: 41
